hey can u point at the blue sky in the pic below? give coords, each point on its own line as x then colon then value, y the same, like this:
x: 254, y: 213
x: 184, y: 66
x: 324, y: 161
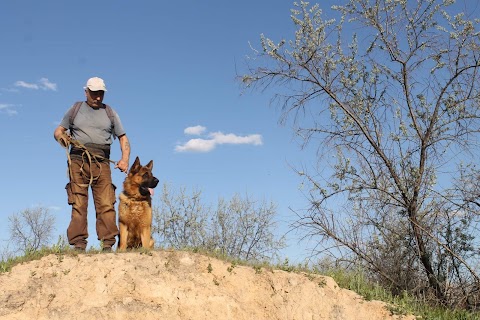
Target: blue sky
x: 170, y: 71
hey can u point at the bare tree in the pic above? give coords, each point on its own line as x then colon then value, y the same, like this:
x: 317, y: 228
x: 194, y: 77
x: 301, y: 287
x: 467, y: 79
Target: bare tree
x: 244, y: 228
x: 390, y: 93
x: 240, y: 228
x: 31, y: 229
x: 181, y: 219
x: 5, y: 254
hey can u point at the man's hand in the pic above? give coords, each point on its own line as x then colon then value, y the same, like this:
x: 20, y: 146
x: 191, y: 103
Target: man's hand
x: 64, y: 140
x: 62, y: 136
x: 125, y: 147
x: 122, y: 166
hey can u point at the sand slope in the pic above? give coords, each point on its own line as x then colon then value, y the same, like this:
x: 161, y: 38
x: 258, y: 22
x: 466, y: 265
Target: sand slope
x: 172, y: 285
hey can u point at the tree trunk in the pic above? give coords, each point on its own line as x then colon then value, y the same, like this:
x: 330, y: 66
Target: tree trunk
x: 425, y: 257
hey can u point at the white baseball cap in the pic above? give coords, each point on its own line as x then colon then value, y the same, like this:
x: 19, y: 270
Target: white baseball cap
x: 96, y: 84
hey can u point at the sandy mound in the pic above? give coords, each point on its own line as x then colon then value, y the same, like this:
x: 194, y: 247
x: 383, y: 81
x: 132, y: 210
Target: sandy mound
x: 172, y: 285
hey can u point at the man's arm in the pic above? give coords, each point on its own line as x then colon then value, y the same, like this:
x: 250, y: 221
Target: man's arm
x: 59, y: 131
x: 125, y: 147
x: 60, y: 136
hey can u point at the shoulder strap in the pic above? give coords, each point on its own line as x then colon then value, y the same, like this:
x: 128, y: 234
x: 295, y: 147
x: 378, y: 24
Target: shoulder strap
x: 109, y: 111
x: 77, y: 106
x: 74, y: 112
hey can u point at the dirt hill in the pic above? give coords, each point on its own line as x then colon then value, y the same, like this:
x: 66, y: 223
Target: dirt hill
x: 172, y: 285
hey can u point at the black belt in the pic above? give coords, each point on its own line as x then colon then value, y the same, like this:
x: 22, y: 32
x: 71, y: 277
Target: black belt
x: 102, y: 150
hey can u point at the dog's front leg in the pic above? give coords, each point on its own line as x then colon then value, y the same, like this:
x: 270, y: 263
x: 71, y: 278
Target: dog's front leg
x: 146, y: 236
x: 123, y: 236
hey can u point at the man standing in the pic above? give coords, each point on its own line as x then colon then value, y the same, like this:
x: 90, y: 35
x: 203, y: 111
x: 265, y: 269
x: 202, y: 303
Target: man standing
x: 91, y: 125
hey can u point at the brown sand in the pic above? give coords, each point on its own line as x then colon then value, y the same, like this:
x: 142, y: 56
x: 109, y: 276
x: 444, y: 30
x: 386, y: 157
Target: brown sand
x: 172, y: 285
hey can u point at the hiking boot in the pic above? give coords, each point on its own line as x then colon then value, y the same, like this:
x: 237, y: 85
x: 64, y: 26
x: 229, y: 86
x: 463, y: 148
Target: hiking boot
x: 107, y: 249
x: 79, y: 250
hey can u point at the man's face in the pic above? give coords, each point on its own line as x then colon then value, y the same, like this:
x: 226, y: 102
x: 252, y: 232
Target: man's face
x: 94, y: 98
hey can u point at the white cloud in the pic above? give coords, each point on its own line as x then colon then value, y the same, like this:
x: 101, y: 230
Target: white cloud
x: 23, y: 84
x: 43, y: 84
x: 8, y: 109
x: 47, y: 85
x: 196, y: 145
x: 215, y: 138
x: 197, y: 130
x: 220, y: 138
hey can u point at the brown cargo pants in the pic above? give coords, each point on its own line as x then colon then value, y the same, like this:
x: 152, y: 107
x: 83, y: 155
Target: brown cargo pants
x: 104, y: 199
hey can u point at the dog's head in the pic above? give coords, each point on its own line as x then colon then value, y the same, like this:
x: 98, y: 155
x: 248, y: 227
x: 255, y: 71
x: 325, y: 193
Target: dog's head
x: 141, y: 177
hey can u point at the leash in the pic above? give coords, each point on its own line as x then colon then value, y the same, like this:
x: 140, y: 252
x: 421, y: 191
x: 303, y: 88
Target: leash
x: 65, y: 142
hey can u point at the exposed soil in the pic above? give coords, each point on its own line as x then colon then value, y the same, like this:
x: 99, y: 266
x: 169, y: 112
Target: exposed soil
x: 172, y: 285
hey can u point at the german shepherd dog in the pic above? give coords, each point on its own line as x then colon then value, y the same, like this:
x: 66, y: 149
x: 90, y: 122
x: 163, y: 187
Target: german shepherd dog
x: 135, y: 207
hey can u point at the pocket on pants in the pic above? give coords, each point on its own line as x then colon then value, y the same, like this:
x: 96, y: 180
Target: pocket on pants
x: 71, y: 198
x: 113, y: 196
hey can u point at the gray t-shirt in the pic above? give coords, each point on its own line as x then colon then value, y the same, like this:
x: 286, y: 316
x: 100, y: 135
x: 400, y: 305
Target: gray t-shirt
x: 92, y: 125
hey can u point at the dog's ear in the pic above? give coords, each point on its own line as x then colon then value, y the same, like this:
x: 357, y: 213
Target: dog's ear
x: 149, y: 166
x: 135, y: 166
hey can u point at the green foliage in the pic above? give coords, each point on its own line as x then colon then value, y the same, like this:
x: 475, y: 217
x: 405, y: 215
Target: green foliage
x: 286, y: 266
x: 9, y: 261
x: 404, y: 303
x: 230, y: 269
x: 258, y: 269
